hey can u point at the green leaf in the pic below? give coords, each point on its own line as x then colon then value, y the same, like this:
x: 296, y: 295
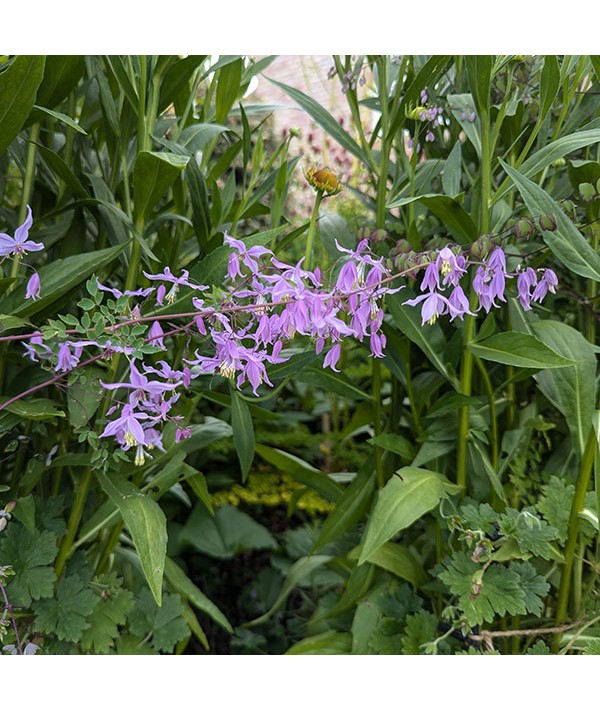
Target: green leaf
x: 399, y: 560
x: 479, y: 72
x: 549, y: 84
x: 62, y: 117
x: 534, y: 587
x: 36, y: 409
x: 58, y: 278
x: 463, y: 105
x: 521, y: 350
x: 324, y: 643
x: 29, y: 554
x: 301, y: 472
x: 84, y: 396
x: 25, y: 512
x: 324, y: 119
x: 430, y: 340
x: 330, y: 381
x: 181, y: 584
x: 153, y: 175
x: 225, y: 534
x: 420, y: 629
x: 201, y: 218
x: 395, y: 443
x: 299, y: 572
x: 350, y: 507
x: 114, y: 603
x: 483, y: 595
x: 452, y: 215
x: 228, y: 88
x: 65, y: 614
x: 18, y: 88
x: 405, y: 498
x: 552, y: 152
x: 532, y: 534
x: 451, y: 176
x: 243, y: 431
x: 147, y: 525
x: 555, y: 504
x: 61, y: 75
x: 165, y: 624
x: 569, y: 389
x: 566, y: 243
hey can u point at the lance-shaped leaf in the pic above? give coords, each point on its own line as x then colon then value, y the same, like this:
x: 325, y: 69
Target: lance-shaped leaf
x: 153, y: 175
x: 147, y: 525
x: 406, y: 497
x: 450, y: 212
x: 521, y: 350
x: 243, y: 431
x: 567, y: 243
x: 18, y: 87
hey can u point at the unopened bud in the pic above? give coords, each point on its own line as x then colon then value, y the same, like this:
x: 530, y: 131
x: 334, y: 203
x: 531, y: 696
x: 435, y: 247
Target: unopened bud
x: 10, y: 506
x: 558, y: 163
x: 403, y: 246
x: 587, y: 192
x: 481, y: 247
x: 378, y: 236
x: 523, y: 228
x: 547, y: 223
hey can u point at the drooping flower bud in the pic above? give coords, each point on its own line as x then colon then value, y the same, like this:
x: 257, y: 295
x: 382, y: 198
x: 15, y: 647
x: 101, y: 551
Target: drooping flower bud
x: 523, y: 228
x: 547, y: 223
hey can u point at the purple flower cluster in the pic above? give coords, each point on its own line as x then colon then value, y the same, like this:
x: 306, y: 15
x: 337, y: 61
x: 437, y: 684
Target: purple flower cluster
x: 444, y: 294
x: 263, y: 304
x: 430, y: 114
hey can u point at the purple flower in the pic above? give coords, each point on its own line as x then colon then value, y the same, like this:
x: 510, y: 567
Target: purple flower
x: 548, y: 282
x: 20, y: 245
x: 332, y: 357
x: 33, y: 287
x: 67, y: 360
x: 248, y: 256
x: 127, y: 428
x: 459, y: 304
x: 141, y: 386
x: 434, y: 305
x: 450, y: 266
x: 33, y: 353
x: 155, y: 335
x: 526, y: 280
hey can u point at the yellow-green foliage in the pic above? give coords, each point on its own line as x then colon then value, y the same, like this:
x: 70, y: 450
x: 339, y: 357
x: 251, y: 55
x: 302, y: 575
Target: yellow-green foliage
x: 273, y: 490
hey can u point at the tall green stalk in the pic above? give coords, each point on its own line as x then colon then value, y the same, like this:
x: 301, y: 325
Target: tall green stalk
x: 312, y: 227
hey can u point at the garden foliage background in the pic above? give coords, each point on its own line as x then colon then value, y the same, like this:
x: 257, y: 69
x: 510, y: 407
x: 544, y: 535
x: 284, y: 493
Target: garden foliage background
x: 422, y: 482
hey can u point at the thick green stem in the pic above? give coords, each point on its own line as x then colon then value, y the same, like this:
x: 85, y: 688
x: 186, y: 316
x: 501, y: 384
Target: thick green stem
x: 466, y: 374
x: 74, y: 521
x: 376, y: 385
x: 312, y: 227
x: 583, y: 480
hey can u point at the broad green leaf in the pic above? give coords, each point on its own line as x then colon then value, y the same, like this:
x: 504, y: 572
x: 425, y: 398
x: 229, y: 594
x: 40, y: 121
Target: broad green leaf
x: 58, y: 278
x: 451, y: 176
x: 450, y: 212
x: 243, y: 431
x: 324, y: 119
x: 299, y: 573
x: 552, y: 152
x: 61, y: 170
x: 406, y: 497
x: 147, y: 525
x: 84, y: 396
x: 334, y: 227
x: 61, y: 75
x: 25, y: 512
x: 430, y: 339
x: 395, y: 443
x: 521, y: 350
x: 399, y: 560
x: 164, y: 625
x: 324, y: 643
x: 301, y: 471
x: 31, y: 555
x: 181, y: 584
x: 153, y: 175
x: 9, y: 323
x: 36, y: 409
x: 114, y: 603
x: 18, y: 87
x: 549, y: 84
x: 224, y: 535
x: 571, y: 390
x: 228, y: 88
x: 479, y: 72
x: 198, y: 192
x: 421, y: 627
x: 350, y: 508
x: 65, y: 614
x: 475, y: 449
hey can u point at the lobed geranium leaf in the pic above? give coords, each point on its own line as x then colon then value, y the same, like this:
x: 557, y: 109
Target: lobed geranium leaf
x: 65, y: 615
